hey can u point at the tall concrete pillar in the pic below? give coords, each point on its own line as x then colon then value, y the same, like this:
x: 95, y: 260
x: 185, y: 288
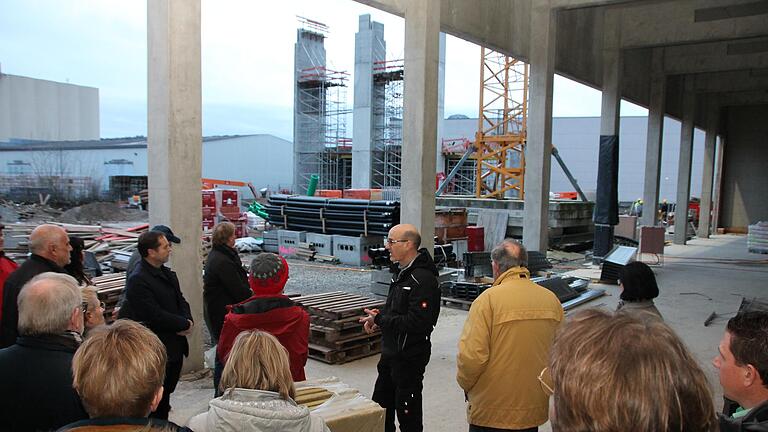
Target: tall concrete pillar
x: 439, y: 159
x: 606, y: 214
x: 174, y: 141
x: 422, y: 51
x: 538, y: 151
x: 708, y: 171
x: 684, y: 163
x: 654, y: 140
x: 717, y: 183
x: 370, y: 48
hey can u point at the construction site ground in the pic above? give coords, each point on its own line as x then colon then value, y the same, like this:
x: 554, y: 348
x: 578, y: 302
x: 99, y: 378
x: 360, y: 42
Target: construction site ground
x: 707, y: 275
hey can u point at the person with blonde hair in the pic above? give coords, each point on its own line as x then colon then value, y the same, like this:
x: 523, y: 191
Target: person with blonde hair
x: 118, y: 373
x: 624, y: 371
x: 93, y: 315
x: 258, y: 391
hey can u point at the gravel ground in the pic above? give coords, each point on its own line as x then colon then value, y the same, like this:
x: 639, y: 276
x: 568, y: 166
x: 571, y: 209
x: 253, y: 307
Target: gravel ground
x: 313, y: 277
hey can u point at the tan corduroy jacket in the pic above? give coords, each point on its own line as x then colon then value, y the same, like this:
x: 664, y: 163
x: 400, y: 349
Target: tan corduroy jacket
x: 504, y: 346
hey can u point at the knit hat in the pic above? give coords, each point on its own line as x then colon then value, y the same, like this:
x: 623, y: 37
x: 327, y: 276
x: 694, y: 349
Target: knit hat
x: 268, y: 274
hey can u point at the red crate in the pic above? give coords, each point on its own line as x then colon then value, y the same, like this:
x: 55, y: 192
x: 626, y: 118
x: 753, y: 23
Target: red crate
x: 475, y: 238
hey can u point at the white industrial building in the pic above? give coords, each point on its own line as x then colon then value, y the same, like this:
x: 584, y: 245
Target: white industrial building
x: 35, y: 109
x: 119, y: 166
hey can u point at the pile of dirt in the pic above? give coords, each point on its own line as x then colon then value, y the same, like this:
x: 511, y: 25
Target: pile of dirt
x: 102, y: 212
x: 12, y: 212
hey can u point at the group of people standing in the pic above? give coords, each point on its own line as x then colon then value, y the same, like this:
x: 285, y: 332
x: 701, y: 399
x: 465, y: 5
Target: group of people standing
x: 519, y: 362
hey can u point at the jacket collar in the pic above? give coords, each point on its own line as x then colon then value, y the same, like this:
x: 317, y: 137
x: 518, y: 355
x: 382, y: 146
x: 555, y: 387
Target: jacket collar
x: 513, y: 273
x: 422, y: 260
x: 67, y: 342
x: 156, y: 424
x: 45, y: 261
x: 154, y: 271
x: 226, y: 250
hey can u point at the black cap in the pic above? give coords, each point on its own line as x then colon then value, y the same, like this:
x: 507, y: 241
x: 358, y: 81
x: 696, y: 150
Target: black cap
x: 167, y: 232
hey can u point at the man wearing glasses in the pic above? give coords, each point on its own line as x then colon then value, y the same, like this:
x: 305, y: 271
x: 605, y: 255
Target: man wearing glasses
x: 505, y: 344
x: 406, y: 322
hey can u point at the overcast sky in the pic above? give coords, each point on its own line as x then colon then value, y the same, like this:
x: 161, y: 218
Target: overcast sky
x: 247, y: 59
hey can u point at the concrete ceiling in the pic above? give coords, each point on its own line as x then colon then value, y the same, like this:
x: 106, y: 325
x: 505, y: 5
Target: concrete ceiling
x: 723, y: 44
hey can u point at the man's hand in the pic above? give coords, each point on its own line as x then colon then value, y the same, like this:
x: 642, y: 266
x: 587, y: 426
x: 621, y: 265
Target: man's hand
x: 188, y: 331
x: 368, y: 324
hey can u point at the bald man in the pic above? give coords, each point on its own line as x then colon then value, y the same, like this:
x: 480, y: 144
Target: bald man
x: 49, y: 245
x: 406, y: 323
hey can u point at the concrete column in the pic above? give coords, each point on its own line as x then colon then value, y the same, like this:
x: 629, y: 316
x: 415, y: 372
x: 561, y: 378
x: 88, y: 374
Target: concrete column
x: 654, y: 140
x: 422, y: 51
x: 370, y: 48
x: 538, y: 151
x: 606, y: 205
x: 684, y: 163
x: 439, y: 159
x: 717, y: 183
x: 174, y: 141
x: 708, y: 172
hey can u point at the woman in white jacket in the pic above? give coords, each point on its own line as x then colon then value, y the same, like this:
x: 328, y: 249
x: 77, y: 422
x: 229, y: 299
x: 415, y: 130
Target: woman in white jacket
x: 258, y: 392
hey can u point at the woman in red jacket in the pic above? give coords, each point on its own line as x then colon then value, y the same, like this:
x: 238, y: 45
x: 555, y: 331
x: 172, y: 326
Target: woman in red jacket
x: 7, y: 266
x: 270, y: 311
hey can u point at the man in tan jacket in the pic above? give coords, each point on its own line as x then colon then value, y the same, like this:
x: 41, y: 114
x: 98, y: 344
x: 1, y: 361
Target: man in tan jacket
x: 505, y: 345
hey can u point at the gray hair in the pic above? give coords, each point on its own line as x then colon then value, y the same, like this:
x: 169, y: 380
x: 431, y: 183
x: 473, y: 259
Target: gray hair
x: 509, y: 253
x: 47, y: 310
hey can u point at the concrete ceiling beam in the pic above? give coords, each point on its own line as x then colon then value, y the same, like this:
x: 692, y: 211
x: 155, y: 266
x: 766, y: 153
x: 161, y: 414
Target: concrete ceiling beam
x: 716, y: 56
x: 735, y: 81
x: 681, y: 22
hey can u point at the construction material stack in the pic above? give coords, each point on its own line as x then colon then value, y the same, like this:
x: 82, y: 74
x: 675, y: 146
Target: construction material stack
x: 336, y: 336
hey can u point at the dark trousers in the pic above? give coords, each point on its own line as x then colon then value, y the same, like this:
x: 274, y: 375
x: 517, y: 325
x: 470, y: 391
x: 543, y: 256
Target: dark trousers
x: 218, y: 368
x: 398, y: 389
x: 172, y: 374
x: 473, y: 428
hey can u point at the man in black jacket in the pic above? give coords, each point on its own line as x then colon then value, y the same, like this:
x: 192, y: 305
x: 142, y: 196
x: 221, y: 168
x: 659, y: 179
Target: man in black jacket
x: 153, y: 297
x: 36, y: 372
x: 742, y: 363
x: 50, y: 249
x: 408, y: 318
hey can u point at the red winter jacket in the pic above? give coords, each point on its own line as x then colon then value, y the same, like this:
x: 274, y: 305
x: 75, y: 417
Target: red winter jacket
x: 277, y: 315
x: 7, y: 266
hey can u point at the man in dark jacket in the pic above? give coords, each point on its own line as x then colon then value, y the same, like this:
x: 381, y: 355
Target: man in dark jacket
x: 225, y: 281
x: 742, y: 363
x: 50, y: 249
x: 153, y: 297
x: 36, y: 372
x: 406, y: 323
x: 7, y: 266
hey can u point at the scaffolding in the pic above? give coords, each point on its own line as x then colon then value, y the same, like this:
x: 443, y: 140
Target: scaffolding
x: 387, y: 131
x: 321, y: 144
x: 501, y: 134
x: 463, y: 182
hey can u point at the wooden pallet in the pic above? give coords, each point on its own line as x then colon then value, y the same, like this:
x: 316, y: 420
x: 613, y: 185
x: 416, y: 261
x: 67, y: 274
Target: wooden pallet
x: 359, y: 338
x: 337, y: 305
x: 319, y: 333
x: 331, y: 356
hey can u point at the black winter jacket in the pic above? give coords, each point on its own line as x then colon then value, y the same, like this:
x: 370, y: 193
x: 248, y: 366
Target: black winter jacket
x: 411, y: 311
x: 36, y: 384
x: 755, y: 421
x: 225, y: 282
x: 32, y: 267
x: 153, y: 298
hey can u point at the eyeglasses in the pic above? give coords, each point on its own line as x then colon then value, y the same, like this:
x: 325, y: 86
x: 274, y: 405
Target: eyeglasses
x: 392, y: 241
x: 85, y: 306
x: 544, y: 376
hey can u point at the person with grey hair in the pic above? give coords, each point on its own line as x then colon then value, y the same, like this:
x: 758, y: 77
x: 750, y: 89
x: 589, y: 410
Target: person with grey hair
x: 505, y: 344
x: 50, y: 248
x: 36, y: 372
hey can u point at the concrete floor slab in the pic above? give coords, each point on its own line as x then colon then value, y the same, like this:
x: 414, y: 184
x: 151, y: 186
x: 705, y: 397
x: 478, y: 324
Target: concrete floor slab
x: 719, y: 270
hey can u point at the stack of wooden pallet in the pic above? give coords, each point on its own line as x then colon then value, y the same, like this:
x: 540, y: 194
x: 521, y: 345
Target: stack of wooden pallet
x: 109, y: 288
x: 336, y: 336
